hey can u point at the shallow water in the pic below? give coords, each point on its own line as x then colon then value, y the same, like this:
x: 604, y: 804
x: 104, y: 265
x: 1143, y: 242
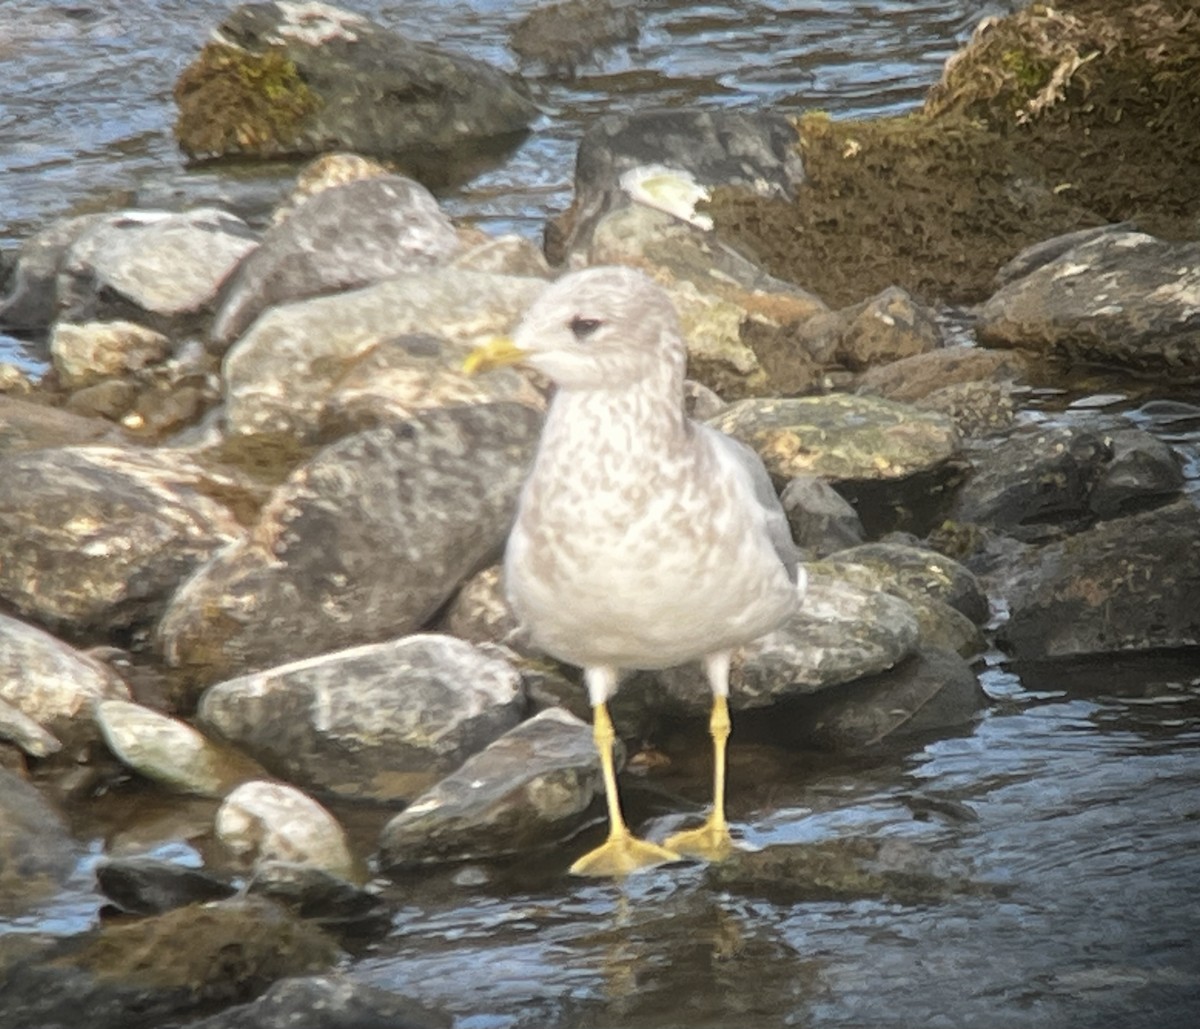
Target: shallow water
x: 1074, y: 802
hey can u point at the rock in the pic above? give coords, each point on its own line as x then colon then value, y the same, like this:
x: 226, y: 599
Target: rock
x: 19, y: 729
x: 754, y: 150
x: 37, y: 853
x: 32, y: 302
x: 841, y: 633
x: 888, y: 327
x: 1143, y: 472
x: 327, y: 172
x: 171, y: 752
x: 911, y: 379
x: 263, y: 822
x: 561, y: 36
x: 290, y: 79
x: 26, y: 425
x: 85, y: 354
x: 1131, y: 583
x: 840, y: 437
x: 821, y: 520
x: 530, y: 788
x: 382, y: 721
x: 479, y: 612
x: 52, y: 684
x: 342, y: 238
x: 97, y: 538
x: 1043, y: 252
x: 364, y: 542
x: 157, y: 268
x: 279, y: 375
x: 932, y: 691
x: 192, y: 958
x: 150, y: 886
x: 328, y: 901
x: 1123, y: 298
x: 509, y: 254
x: 846, y: 869
x: 324, y: 1002
x: 977, y: 409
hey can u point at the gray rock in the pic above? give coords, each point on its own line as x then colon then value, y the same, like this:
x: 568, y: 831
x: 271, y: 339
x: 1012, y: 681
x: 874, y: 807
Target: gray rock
x: 341, y: 82
x: 52, y: 684
x: 157, y: 268
x: 1121, y: 298
x: 530, y: 788
x: 1143, y: 471
x: 364, y: 542
x: 168, y: 751
x: 262, y: 823
x: 342, y: 238
x: 280, y: 374
x: 86, y: 354
x: 32, y: 300
x: 821, y: 519
x: 150, y: 886
x: 383, y: 721
x: 1128, y: 584
x: 325, y: 1002
x: 95, y: 538
x: 1034, y: 257
x: 559, y: 37
x: 36, y: 851
x: 326, y: 900
x: 841, y: 633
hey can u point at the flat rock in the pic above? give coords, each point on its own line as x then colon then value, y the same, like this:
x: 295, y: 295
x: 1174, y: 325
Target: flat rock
x: 261, y: 822
x: 98, y: 537
x: 1121, y: 298
x: 52, y: 684
x: 341, y: 238
x: 383, y: 721
x: 1131, y: 583
x: 278, y: 376
x: 530, y: 788
x: 171, y: 752
x: 37, y: 853
x: 364, y: 542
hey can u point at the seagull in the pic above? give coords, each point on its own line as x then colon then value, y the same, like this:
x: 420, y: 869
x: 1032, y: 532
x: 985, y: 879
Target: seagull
x: 642, y: 539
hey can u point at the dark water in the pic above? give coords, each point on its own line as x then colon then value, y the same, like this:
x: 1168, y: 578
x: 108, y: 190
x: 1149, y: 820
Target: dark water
x: 1074, y: 801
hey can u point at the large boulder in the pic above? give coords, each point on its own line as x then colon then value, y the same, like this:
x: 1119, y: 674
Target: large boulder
x: 284, y: 79
x: 363, y: 543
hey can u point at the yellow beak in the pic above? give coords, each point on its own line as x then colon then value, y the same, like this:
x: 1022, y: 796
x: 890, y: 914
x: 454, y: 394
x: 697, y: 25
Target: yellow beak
x: 496, y: 352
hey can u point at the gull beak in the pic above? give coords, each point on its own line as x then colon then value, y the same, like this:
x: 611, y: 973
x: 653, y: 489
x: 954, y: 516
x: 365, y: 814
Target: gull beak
x: 496, y: 352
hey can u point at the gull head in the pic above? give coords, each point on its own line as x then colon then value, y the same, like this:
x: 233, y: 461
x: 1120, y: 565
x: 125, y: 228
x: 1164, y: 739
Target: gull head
x: 600, y: 328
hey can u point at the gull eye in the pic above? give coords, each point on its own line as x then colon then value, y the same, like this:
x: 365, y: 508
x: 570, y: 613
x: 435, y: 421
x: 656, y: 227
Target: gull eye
x: 584, y: 327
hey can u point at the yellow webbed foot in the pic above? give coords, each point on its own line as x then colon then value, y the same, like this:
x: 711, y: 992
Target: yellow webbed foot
x: 621, y: 854
x: 711, y: 841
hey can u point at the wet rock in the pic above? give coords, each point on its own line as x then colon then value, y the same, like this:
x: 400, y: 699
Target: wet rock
x: 530, y: 788
x: 278, y: 376
x: 381, y: 721
x: 32, y: 300
x: 841, y: 437
x: 37, y: 853
x: 83, y: 355
x: 342, y: 238
x: 910, y: 379
x: 151, y: 886
x: 1132, y: 583
x: 26, y: 425
x: 1143, y: 472
x: 296, y: 79
x: 156, y: 268
x: 917, y: 570
x: 52, y: 684
x: 171, y: 752
x: 841, y: 633
x: 480, y: 612
x: 559, y: 37
x: 328, y: 901
x: 930, y: 692
x: 1036, y: 482
x: 821, y: 520
x: 98, y: 537
x: 325, y: 1002
x: 262, y: 822
x: 714, y: 148
x: 193, y: 958
x: 1122, y: 298
x: 364, y: 542
x: 846, y: 868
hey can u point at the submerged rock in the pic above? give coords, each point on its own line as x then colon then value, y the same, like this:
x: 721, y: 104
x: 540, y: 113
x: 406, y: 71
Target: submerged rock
x: 381, y: 721
x: 530, y: 788
x: 341, y: 238
x: 364, y: 542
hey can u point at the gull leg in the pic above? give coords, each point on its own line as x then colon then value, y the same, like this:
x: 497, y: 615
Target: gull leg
x: 712, y: 840
x: 622, y: 852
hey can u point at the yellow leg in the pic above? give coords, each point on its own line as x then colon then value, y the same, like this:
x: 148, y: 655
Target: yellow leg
x: 712, y: 840
x: 622, y: 852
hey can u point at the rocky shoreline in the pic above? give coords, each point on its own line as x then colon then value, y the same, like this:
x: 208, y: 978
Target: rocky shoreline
x: 250, y: 520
